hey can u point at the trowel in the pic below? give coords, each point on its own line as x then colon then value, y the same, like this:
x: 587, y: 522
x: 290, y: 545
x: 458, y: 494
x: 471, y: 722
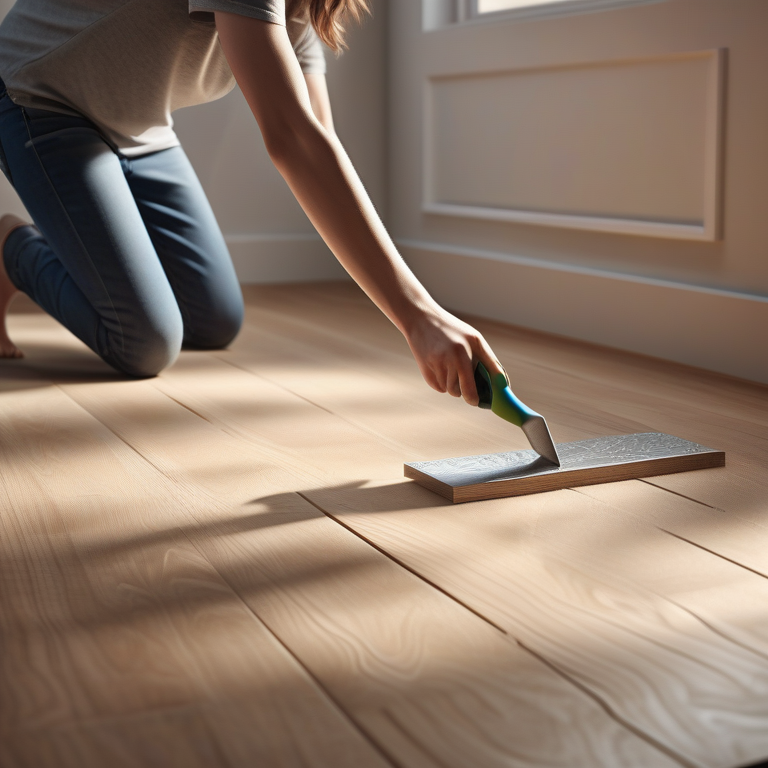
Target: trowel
x: 584, y: 462
x: 495, y: 395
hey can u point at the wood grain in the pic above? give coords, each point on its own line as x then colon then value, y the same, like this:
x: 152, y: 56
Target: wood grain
x: 586, y: 462
x: 647, y: 658
x: 112, y: 620
x: 425, y: 678
x: 612, y: 625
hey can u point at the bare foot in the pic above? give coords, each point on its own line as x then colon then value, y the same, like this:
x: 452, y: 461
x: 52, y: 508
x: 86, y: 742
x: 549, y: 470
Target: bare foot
x: 8, y: 290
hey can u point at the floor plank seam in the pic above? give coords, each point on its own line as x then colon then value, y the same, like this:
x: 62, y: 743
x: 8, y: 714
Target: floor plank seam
x: 719, y: 632
x: 297, y: 659
x: 116, y: 434
x: 403, y: 565
x: 712, y: 552
x: 381, y: 438
x: 681, y: 495
x: 184, y: 405
x: 608, y: 709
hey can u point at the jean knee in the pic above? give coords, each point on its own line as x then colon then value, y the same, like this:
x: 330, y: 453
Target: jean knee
x: 149, y: 352
x: 217, y: 328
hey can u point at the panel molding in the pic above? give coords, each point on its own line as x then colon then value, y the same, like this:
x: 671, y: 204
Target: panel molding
x: 710, y: 228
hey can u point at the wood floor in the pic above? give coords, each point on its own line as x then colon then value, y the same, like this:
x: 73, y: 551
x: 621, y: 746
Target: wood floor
x: 224, y: 566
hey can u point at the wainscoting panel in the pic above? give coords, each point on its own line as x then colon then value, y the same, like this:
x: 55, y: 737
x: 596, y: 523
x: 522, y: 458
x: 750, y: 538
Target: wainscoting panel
x: 629, y: 146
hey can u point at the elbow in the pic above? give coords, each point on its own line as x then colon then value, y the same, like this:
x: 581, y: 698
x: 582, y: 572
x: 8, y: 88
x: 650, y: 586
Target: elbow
x: 281, y: 147
x: 290, y: 141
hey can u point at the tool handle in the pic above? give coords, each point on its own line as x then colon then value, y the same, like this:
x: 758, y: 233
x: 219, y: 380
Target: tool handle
x: 483, y: 384
x: 495, y: 394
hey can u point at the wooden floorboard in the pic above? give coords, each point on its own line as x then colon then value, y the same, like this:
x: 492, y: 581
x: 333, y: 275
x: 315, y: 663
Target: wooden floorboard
x: 391, y: 650
x: 118, y: 632
x: 257, y: 493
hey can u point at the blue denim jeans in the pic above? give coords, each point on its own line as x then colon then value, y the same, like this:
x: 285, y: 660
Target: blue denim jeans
x: 125, y: 252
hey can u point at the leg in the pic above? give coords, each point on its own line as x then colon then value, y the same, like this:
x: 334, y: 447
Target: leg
x: 90, y: 263
x: 190, y: 245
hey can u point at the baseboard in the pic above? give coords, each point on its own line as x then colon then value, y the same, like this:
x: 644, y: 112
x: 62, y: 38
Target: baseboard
x: 277, y: 258
x: 719, y: 330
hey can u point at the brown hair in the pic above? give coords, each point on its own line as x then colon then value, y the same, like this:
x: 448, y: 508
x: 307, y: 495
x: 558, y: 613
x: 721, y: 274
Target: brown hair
x: 328, y: 17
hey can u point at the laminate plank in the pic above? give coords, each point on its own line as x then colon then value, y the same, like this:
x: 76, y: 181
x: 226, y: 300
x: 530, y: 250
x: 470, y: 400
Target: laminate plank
x: 426, y: 678
x: 586, y: 462
x: 457, y: 549
x: 658, y: 667
x: 112, y: 617
x: 726, y: 667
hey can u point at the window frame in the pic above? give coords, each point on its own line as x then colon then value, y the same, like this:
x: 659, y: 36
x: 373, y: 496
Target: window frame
x: 468, y: 10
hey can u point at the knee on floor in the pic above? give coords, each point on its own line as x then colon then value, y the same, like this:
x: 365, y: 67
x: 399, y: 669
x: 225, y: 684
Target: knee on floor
x: 216, y: 329
x: 151, y: 351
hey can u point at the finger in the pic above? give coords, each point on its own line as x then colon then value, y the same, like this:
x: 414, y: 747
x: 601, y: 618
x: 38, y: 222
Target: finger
x: 437, y: 383
x: 453, y: 385
x: 466, y: 376
x: 449, y: 378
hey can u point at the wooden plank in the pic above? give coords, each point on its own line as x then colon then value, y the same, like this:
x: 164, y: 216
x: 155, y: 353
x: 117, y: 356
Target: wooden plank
x: 353, y: 318
x: 586, y: 462
x: 646, y: 674
x: 652, y: 662
x: 626, y: 639
x: 715, y: 530
x: 424, y: 677
x: 112, y: 620
x: 441, y: 687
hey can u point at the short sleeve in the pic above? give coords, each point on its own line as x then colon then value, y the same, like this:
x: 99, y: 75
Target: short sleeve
x: 266, y: 10
x: 308, y: 48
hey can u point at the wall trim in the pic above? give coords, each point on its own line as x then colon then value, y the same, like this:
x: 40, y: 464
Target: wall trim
x: 282, y: 258
x: 709, y: 229
x: 670, y: 230
x: 711, y: 328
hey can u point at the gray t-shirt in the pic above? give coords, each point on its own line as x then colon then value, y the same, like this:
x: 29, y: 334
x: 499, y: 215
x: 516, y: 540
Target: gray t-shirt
x: 128, y: 64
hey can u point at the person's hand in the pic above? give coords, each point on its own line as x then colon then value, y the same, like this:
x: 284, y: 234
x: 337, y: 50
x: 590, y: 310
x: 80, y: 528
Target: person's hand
x: 446, y: 350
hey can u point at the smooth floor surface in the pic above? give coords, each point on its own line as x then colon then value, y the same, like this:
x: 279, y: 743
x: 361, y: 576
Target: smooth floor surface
x: 224, y: 566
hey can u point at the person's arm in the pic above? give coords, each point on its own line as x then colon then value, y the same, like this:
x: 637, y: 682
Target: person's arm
x: 320, y: 101
x: 318, y: 171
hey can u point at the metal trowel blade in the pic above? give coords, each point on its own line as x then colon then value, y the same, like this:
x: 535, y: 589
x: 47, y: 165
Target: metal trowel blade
x: 537, y: 432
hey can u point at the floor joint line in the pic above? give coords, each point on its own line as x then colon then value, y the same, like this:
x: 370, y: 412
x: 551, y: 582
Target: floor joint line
x: 402, y: 564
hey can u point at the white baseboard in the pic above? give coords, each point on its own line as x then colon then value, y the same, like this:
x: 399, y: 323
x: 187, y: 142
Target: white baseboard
x: 277, y: 258
x: 719, y: 330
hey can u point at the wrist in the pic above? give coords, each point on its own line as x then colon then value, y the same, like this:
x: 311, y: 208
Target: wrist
x: 415, y: 313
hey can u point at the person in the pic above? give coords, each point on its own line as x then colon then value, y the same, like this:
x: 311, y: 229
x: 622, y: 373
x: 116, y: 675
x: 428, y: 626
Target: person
x: 125, y: 250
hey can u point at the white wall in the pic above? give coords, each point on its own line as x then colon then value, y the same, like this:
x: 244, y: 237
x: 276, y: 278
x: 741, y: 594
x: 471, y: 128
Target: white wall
x: 618, y: 187
x: 270, y: 238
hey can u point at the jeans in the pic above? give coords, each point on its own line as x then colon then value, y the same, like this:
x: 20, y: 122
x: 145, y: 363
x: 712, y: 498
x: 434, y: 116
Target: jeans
x: 125, y: 252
